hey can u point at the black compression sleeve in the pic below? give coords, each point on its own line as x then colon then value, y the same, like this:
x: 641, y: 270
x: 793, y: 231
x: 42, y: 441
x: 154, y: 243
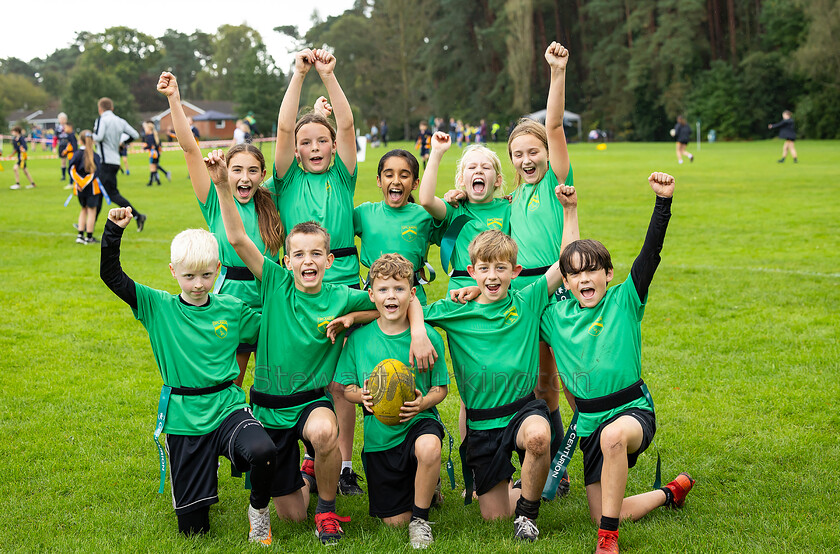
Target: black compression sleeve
x: 648, y: 259
x: 110, y: 270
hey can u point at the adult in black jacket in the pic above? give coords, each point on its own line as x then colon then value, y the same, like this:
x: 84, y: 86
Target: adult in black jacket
x: 682, y: 134
x: 787, y: 131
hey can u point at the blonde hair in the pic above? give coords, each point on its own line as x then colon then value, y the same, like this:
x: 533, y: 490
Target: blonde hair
x: 86, y: 138
x: 391, y: 265
x: 194, y: 249
x: 494, y: 159
x: 526, y: 126
x: 492, y: 246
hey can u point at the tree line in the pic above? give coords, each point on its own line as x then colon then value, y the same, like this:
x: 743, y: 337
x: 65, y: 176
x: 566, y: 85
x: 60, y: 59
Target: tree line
x: 635, y: 64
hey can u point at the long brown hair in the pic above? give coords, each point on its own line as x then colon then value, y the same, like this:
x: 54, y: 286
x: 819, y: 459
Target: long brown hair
x: 526, y: 126
x: 271, y: 228
x: 87, y: 141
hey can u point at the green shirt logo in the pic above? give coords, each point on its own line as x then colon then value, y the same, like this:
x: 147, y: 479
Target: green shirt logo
x: 511, y: 316
x: 534, y: 203
x: 220, y: 327
x: 596, y: 328
x: 495, y: 222
x: 322, y: 324
x: 409, y: 232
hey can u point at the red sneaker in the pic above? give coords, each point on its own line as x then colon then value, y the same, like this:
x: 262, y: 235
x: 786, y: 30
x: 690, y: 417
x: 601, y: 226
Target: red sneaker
x: 680, y: 488
x: 607, y: 542
x: 328, y: 528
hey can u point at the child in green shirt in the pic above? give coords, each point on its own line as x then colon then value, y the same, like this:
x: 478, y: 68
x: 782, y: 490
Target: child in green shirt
x: 596, y: 338
x: 402, y: 462
x: 194, y: 337
x: 300, y: 340
x: 494, y: 344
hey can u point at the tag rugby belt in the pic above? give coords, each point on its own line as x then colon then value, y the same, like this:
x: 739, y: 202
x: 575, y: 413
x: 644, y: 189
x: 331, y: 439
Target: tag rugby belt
x: 238, y: 273
x: 279, y: 402
x: 198, y: 391
x: 482, y: 414
x: 611, y: 401
x: 344, y: 252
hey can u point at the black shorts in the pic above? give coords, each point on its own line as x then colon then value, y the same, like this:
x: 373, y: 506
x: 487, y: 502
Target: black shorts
x: 194, y: 461
x: 287, y: 478
x: 87, y: 199
x: 488, y: 452
x: 683, y: 143
x: 390, y: 473
x: 246, y: 347
x: 593, y: 458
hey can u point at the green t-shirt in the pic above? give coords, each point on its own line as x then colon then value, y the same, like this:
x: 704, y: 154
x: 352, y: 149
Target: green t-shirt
x: 536, y: 224
x: 248, y: 291
x: 598, y: 350
x: 492, y: 215
x: 365, y: 349
x: 195, y: 346
x: 294, y: 353
x: 494, y: 347
x: 406, y: 231
x: 326, y: 198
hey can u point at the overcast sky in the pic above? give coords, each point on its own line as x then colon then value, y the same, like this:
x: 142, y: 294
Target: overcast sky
x: 53, y: 24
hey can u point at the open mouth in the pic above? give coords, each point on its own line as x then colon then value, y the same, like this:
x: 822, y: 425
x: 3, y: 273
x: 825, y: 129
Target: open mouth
x: 587, y: 293
x: 478, y: 186
x: 391, y: 308
x: 493, y: 289
x: 529, y: 171
x: 315, y: 160
x: 244, y: 191
x: 395, y: 194
x: 308, y: 274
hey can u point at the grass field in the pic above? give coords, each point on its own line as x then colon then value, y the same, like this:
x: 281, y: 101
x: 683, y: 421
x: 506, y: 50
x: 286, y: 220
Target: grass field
x: 740, y: 350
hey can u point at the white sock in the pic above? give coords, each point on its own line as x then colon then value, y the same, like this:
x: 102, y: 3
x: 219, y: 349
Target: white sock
x: 347, y: 465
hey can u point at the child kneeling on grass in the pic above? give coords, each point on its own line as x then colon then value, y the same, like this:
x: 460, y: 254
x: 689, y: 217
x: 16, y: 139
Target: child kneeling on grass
x: 402, y: 462
x: 194, y: 336
x: 494, y: 343
x: 596, y: 338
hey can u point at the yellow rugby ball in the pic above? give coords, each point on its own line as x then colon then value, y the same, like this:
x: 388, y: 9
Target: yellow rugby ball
x: 391, y: 384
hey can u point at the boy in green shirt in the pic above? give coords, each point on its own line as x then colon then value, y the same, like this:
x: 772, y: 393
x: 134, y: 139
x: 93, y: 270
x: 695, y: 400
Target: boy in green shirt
x: 494, y: 343
x: 397, y: 456
x: 299, y: 344
x: 596, y: 338
x: 194, y: 338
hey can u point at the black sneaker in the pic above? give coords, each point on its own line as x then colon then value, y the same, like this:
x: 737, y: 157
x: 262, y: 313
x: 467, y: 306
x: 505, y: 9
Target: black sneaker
x: 91, y: 240
x: 141, y: 221
x: 564, y: 485
x: 348, y: 483
x: 525, y: 529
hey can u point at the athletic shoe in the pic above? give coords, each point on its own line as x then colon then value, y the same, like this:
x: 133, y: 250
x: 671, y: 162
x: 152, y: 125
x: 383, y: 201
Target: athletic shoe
x: 607, y: 542
x: 525, y: 529
x: 307, y: 471
x: 796, y: 160
x: 690, y: 157
x: 437, y: 497
x: 260, y: 522
x: 16, y: 186
x: 564, y: 485
x: 30, y: 186
x: 680, y: 162
x: 68, y: 186
x: 680, y: 488
x: 348, y: 483
x: 141, y: 221
x: 127, y: 172
x: 782, y: 161
x: 419, y: 533
x: 168, y: 176
x: 91, y: 240
x: 328, y: 527
x: 80, y: 240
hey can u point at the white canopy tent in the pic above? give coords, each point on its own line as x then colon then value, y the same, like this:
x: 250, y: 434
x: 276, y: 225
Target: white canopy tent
x: 570, y: 119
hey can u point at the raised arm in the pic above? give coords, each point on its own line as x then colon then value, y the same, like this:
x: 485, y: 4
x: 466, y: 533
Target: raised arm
x: 568, y: 198
x: 200, y: 179
x: 345, y: 140
x: 284, y: 153
x: 648, y: 259
x: 110, y: 270
x: 426, y: 195
x: 234, y: 229
x: 558, y: 152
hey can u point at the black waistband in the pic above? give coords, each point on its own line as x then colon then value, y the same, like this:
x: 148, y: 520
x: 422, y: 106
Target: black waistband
x: 198, y: 391
x: 610, y: 401
x: 238, y: 273
x: 481, y: 414
x: 344, y: 252
x: 277, y: 402
x: 531, y: 271
x: 460, y: 273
